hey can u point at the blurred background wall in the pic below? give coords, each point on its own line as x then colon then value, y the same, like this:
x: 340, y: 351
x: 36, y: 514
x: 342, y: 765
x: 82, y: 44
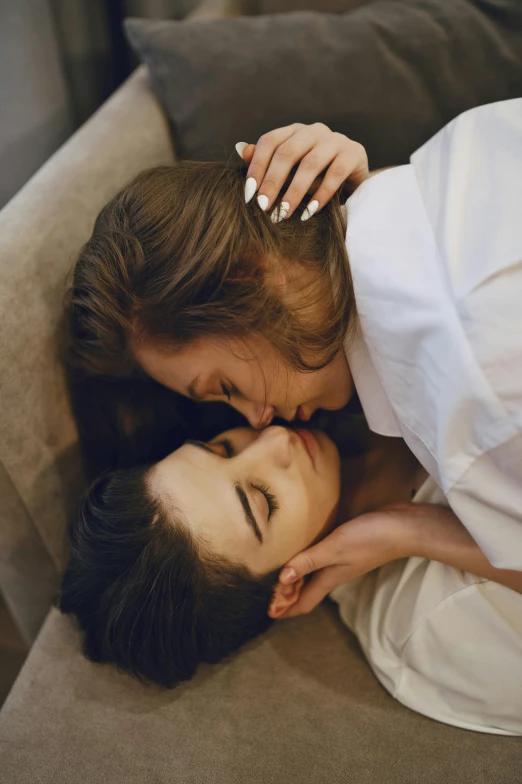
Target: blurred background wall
x: 59, y: 60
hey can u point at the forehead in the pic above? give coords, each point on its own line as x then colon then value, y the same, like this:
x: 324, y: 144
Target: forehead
x: 207, y: 360
x: 198, y: 485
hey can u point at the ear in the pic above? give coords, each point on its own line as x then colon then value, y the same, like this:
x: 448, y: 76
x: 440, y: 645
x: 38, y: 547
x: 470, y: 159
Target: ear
x: 284, y: 597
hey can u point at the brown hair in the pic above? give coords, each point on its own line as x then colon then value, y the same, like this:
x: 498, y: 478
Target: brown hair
x: 177, y: 255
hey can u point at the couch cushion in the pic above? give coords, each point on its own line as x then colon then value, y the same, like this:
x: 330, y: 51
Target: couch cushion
x: 389, y: 73
x: 298, y: 704
x: 41, y: 231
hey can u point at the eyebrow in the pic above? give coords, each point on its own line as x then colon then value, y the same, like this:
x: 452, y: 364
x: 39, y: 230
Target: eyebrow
x: 200, y: 444
x: 243, y: 498
x: 249, y: 517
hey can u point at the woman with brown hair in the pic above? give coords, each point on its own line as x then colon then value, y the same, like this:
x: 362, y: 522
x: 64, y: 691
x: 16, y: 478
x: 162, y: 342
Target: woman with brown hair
x: 254, y: 311
x: 221, y: 297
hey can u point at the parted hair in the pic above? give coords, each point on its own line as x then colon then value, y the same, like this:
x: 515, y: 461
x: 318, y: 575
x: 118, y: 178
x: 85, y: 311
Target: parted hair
x: 178, y: 255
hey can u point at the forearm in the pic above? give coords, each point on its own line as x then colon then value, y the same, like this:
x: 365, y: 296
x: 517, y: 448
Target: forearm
x: 435, y: 532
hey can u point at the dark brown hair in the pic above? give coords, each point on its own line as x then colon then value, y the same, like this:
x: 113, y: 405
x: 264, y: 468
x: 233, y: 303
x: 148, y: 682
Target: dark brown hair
x: 146, y: 595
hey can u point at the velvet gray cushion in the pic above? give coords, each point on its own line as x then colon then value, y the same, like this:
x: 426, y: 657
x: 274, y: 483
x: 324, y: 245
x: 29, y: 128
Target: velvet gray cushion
x: 388, y: 73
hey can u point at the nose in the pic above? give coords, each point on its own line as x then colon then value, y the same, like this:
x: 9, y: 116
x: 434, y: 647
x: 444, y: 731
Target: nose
x: 275, y: 445
x: 258, y: 415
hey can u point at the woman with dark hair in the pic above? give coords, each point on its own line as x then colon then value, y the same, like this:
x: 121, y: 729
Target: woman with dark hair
x: 218, y: 297
x: 176, y: 563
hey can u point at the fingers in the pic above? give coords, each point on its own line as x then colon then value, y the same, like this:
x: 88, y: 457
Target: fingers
x: 317, y: 150
x: 268, y: 146
x: 316, y: 590
x: 340, y: 170
x: 321, y: 157
x: 324, y: 553
x: 280, y: 155
x: 245, y: 151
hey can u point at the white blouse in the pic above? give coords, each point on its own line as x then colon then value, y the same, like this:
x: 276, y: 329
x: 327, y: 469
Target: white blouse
x: 435, y: 249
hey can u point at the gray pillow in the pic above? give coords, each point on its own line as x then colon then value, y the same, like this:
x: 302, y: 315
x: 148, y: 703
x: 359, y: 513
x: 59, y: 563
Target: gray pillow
x: 388, y: 74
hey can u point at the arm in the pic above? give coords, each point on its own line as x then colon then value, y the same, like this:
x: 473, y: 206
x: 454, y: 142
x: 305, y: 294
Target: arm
x: 373, y: 539
x: 437, y: 534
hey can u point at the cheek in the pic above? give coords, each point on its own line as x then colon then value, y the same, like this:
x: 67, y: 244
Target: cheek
x: 322, y: 501
x: 291, y: 524
x: 300, y: 522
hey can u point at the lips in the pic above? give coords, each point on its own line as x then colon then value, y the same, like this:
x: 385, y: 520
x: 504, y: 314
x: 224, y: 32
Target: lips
x: 310, y: 443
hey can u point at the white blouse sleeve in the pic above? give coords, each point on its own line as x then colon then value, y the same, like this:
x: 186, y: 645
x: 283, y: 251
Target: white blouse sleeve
x: 470, y: 178
x: 435, y: 249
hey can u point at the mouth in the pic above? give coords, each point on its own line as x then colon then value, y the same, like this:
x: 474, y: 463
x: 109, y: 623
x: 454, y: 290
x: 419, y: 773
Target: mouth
x: 310, y: 443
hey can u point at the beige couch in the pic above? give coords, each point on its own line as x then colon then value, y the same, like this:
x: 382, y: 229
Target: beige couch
x: 300, y: 704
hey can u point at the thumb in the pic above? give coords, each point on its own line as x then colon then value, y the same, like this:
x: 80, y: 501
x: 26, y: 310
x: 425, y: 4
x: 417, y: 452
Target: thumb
x: 316, y: 557
x: 315, y: 591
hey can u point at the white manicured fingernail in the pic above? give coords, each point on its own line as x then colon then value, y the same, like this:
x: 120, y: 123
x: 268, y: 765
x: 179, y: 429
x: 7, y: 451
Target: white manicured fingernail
x: 263, y: 202
x: 280, y: 213
x: 240, y: 147
x: 250, y: 189
x: 312, y: 207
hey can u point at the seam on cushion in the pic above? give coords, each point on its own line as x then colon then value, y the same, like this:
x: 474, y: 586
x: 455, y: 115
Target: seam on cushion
x: 52, y: 556
x: 28, y: 514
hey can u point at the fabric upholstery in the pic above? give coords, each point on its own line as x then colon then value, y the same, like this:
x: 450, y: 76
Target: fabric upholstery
x: 36, y: 111
x: 389, y: 73
x: 325, y: 6
x: 41, y: 231
x: 299, y: 704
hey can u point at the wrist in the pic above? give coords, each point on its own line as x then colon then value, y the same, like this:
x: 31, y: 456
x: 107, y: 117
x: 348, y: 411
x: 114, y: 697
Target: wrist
x: 406, y: 529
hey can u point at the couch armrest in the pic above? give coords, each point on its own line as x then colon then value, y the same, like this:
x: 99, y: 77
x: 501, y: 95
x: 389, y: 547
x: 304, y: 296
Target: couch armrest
x: 41, y: 231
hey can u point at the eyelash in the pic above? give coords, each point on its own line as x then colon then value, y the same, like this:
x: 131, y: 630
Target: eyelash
x: 271, y: 500
x: 227, y: 392
x: 273, y: 506
x: 229, y: 449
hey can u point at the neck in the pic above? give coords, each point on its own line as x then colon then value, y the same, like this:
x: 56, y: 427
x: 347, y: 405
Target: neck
x: 386, y: 473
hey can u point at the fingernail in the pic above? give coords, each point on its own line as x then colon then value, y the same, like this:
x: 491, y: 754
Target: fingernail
x: 312, y: 207
x: 263, y: 202
x: 280, y: 212
x: 240, y: 147
x: 288, y: 574
x: 250, y: 189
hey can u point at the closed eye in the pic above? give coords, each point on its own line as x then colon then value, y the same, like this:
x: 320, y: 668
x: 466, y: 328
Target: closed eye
x: 227, y: 446
x: 224, y: 442
x: 226, y: 391
x: 271, y: 500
